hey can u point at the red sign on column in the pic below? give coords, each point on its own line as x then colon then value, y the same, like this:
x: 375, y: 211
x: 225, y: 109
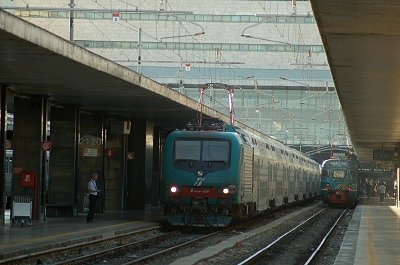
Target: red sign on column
x: 28, y: 179
x: 46, y: 145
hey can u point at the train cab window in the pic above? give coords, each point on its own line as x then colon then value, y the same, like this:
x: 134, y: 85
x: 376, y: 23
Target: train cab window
x: 187, y: 150
x: 202, y: 150
x: 338, y: 174
x: 215, y: 151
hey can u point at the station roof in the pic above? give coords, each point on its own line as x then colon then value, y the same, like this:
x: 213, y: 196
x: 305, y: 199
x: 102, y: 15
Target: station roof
x: 361, y: 40
x: 37, y: 62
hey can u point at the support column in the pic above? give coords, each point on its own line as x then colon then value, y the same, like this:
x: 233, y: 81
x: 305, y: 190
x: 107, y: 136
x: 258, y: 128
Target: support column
x: 115, y: 166
x: 90, y: 154
x: 62, y: 190
x: 44, y: 156
x: 149, y: 171
x: 3, y: 135
x: 29, y: 120
x: 140, y: 169
x: 397, y: 187
x: 77, y: 135
x: 135, y: 186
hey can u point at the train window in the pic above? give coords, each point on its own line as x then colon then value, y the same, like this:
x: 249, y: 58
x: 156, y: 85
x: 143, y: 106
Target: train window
x: 187, y: 150
x: 215, y: 151
x: 338, y: 174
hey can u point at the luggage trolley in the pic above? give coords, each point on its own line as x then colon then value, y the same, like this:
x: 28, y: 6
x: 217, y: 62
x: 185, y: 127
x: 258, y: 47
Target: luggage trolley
x: 21, y: 211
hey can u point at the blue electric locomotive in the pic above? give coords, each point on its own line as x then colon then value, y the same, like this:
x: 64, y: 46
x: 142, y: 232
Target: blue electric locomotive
x: 213, y: 177
x: 340, y: 182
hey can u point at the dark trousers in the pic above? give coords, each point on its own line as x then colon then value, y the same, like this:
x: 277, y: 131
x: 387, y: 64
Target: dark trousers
x: 92, y: 206
x: 381, y: 196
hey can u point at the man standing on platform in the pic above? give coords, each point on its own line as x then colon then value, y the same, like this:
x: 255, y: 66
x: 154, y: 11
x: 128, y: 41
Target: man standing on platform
x: 382, y: 191
x: 92, y: 190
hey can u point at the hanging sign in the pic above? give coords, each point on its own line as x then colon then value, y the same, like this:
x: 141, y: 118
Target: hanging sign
x: 115, y: 16
x: 187, y: 66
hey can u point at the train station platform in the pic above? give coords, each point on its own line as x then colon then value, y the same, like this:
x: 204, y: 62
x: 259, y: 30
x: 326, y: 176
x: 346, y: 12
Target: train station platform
x: 16, y: 240
x: 373, y: 236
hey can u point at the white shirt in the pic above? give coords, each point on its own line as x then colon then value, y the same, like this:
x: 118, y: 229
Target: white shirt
x: 92, y: 187
x: 382, y: 188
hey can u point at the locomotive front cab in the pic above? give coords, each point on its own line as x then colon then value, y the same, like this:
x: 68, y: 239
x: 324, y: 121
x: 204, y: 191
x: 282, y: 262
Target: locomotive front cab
x: 199, y: 183
x: 339, y: 185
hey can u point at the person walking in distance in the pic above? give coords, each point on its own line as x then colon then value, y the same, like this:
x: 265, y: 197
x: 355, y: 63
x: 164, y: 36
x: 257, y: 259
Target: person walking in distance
x: 382, y: 191
x: 93, y: 192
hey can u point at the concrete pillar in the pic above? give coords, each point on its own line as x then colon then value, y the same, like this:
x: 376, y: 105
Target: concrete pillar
x: 141, y: 187
x: 135, y: 182
x: 114, y: 156
x: 3, y: 135
x: 155, y: 193
x: 90, y: 154
x: 149, y: 164
x: 61, y: 185
x: 30, y: 119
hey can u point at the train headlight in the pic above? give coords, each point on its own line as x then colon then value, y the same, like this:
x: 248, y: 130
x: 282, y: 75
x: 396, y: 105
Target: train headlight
x: 229, y: 190
x: 173, y: 189
x: 200, y: 173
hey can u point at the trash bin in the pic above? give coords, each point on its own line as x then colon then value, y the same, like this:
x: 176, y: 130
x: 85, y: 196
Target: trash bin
x: 21, y: 211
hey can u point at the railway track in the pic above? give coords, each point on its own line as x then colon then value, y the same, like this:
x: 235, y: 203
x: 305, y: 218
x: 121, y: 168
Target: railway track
x: 155, y: 246
x: 295, y: 241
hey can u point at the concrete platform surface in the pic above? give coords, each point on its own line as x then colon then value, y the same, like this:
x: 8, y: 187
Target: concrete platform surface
x: 58, y: 232
x: 373, y: 237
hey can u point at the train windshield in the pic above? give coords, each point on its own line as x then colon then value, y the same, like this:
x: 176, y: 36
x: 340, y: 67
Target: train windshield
x: 198, y: 150
x: 215, y: 151
x: 338, y: 174
x: 187, y: 150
